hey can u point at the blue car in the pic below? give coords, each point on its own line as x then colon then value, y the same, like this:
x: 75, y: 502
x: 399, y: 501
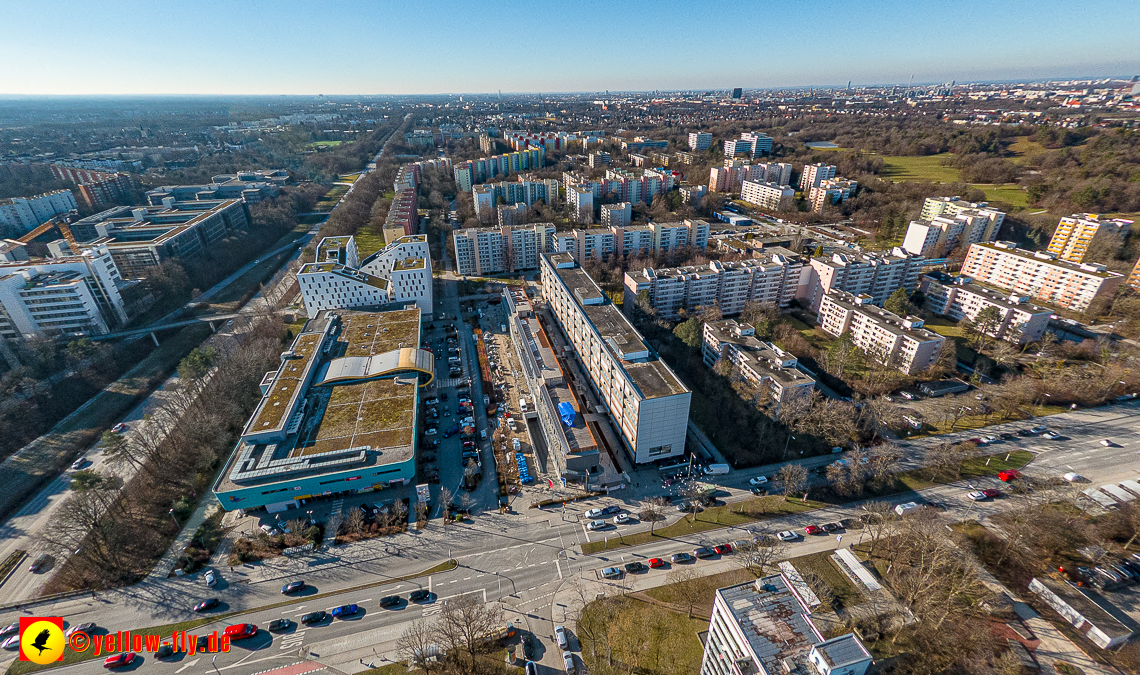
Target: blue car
x: 345, y: 610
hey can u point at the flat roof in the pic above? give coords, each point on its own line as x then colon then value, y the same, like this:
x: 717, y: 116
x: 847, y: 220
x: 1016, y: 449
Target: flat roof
x: 651, y: 376
x: 773, y: 619
x: 888, y: 320
x: 341, y: 424
x: 1046, y: 258
x: 992, y: 294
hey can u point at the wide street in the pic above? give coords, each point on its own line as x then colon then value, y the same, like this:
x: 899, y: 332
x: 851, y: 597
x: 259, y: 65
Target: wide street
x: 520, y: 558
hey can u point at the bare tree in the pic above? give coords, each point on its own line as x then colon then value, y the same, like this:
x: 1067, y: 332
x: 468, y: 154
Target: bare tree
x: 355, y: 521
x: 336, y: 519
x: 795, y: 477
x: 683, y: 583
x: 761, y: 555
x: 653, y: 510
x: 465, y: 622
x: 417, y: 646
x: 445, y: 496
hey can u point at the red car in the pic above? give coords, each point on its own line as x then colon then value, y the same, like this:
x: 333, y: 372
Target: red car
x: 723, y: 549
x: 656, y: 562
x: 240, y: 630
x: 992, y: 493
x: 813, y: 529
x: 976, y: 441
x: 119, y: 660
x: 1007, y: 476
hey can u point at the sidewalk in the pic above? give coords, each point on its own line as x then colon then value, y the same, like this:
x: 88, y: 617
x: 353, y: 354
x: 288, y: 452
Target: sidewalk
x: 165, y: 566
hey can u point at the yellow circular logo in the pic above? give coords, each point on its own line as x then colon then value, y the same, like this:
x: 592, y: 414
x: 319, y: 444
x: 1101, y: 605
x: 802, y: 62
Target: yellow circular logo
x: 42, y: 642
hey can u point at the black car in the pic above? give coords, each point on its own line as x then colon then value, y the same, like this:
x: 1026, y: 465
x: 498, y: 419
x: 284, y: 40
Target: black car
x: 390, y: 601
x: 635, y: 567
x: 280, y: 625
x: 611, y: 509
x: 1005, y: 436
x: 314, y: 617
x: 206, y: 605
x: 420, y: 595
x: 443, y: 396
x: 831, y: 527
x: 165, y: 651
x: 1025, y: 432
x: 293, y: 587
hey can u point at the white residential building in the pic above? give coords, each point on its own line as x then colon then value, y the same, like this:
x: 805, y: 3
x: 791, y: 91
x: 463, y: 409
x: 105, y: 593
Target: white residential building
x: 69, y: 295
x: 831, y: 191
x: 958, y: 297
x: 950, y: 207
x: 895, y: 341
x: 647, y: 403
x: 775, y: 277
x: 1040, y: 275
x: 692, y: 194
x: 765, y: 627
x: 616, y: 215
x: 699, y: 140
x: 762, y: 363
x: 497, y: 250
x: 672, y: 236
x: 400, y: 272
x: 814, y: 174
x: 874, y: 274
x: 24, y: 214
x: 768, y: 195
x: 581, y: 199
x: 941, y: 234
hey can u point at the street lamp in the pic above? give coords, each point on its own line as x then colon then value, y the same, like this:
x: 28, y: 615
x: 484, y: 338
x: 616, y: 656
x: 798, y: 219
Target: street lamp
x: 214, y: 663
x: 785, y: 453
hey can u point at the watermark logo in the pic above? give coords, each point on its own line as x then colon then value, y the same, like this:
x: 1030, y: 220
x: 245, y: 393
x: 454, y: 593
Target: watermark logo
x: 41, y: 639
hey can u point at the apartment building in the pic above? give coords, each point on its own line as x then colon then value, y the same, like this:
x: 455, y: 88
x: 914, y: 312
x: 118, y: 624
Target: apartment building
x: 776, y: 277
x: 419, y: 138
x: 581, y: 200
x: 765, y: 627
x: 647, y: 403
x: 523, y: 191
x: 640, y: 143
x: 688, y: 233
x: 768, y: 195
x: 762, y: 363
x: 700, y: 140
x: 725, y: 178
x: 497, y: 250
x: 66, y: 295
x: 831, y: 191
x: 692, y: 194
x: 751, y: 144
x: 892, y: 340
x: 141, y: 237
x: 469, y: 173
x: 874, y: 274
x: 404, y: 211
x: 1040, y: 276
x: 600, y: 159
x: 1075, y: 233
x: 959, y: 297
x: 814, y: 174
x: 511, y: 215
x: 400, y: 272
x: 616, y: 215
x: 951, y: 207
x: 98, y: 189
x: 633, y: 240
x: 23, y: 214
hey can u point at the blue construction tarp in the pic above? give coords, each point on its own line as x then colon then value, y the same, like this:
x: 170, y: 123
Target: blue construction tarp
x: 566, y: 411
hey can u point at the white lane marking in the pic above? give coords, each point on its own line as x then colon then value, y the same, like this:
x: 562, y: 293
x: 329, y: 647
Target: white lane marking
x: 559, y: 566
x: 188, y: 664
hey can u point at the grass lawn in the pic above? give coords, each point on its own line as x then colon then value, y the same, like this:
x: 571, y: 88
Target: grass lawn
x: 844, y: 594
x: 943, y: 326
x: 348, y: 177
x: 368, y: 243
x: 653, y: 639
x: 1010, y: 193
x: 979, y: 422
x: 1025, y: 148
x: 795, y: 323
x: 331, y: 198
x: 668, y: 592
x: 325, y: 144
x: 928, y: 168
x: 738, y: 514
x: 976, y: 467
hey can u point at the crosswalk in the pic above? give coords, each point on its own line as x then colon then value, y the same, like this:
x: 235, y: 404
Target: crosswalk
x: 450, y: 382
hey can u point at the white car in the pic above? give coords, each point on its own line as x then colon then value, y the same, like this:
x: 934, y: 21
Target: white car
x: 596, y: 525
x: 990, y: 439
x: 1107, y: 443
x: 787, y: 535
x: 1050, y: 435
x: 270, y: 530
x: 1073, y: 477
x: 560, y: 635
x: 430, y: 432
x: 211, y: 578
x: 621, y: 519
x: 10, y: 628
x: 594, y: 513
x: 977, y: 496
x: 759, y: 480
x: 12, y: 643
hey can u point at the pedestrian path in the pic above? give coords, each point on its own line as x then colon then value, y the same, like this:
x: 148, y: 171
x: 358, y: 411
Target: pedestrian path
x: 166, y: 565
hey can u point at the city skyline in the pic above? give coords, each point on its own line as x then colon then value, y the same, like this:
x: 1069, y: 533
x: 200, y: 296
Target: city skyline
x: 386, y: 48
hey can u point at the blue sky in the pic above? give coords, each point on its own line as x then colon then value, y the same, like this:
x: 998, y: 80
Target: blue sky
x: 436, y: 46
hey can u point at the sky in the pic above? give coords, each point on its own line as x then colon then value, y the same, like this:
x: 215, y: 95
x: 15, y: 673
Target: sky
x: 109, y: 47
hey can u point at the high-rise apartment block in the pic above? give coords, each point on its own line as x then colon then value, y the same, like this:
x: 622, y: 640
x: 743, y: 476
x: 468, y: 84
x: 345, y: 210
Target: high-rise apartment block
x: 768, y: 195
x: 692, y: 194
x: 765, y: 627
x: 640, y: 143
x: 873, y: 274
x: 23, y: 214
x: 892, y: 340
x: 700, y: 140
x: 958, y: 297
x: 648, y: 404
x: 776, y: 277
x: 600, y: 159
x: 941, y: 235
x: 469, y: 173
x: 831, y: 191
x: 633, y: 240
x: 98, y: 189
x: 616, y: 215
x: 69, y: 294
x: 497, y: 250
x: 511, y: 215
x: 814, y: 174
x: 1040, y: 275
x: 523, y: 191
x: 1075, y: 233
x: 581, y: 200
x: 751, y: 144
x: 761, y: 363
x: 950, y: 207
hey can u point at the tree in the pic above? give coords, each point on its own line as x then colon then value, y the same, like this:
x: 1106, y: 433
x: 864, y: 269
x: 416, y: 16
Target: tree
x: 683, y: 581
x: 689, y: 332
x: 81, y: 481
x: 899, y: 303
x: 761, y: 555
x: 653, y: 510
x: 119, y: 451
x: 196, y: 364
x: 416, y: 645
x: 354, y: 524
x: 463, y: 621
x: 794, y: 476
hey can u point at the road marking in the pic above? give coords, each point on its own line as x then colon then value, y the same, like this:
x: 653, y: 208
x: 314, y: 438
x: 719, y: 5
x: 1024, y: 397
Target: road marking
x: 559, y: 566
x: 188, y: 664
x: 453, y: 581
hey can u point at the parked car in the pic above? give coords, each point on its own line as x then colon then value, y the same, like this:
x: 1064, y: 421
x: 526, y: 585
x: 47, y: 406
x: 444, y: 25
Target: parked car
x: 560, y: 636
x: 594, y: 525
x: 991, y: 493
x: 314, y: 617
x: 635, y: 567
x: 278, y: 625
x: 1008, y: 475
x: 903, y: 509
x: 12, y: 643
x: 206, y: 605
x: 293, y: 587
x: 703, y: 552
x: 85, y: 628
x: 722, y: 549
x: 165, y: 651
x: 758, y: 491
x: 1050, y: 435
x: 593, y: 514
x: 211, y: 578
x: 611, y: 573
x: 654, y: 563
x: 120, y: 660
x: 119, y: 428
x: 420, y: 595
x: 787, y: 535
x: 568, y: 663
x: 831, y: 527
x: 759, y: 480
x: 680, y: 558
x: 621, y: 519
x: 80, y: 463
x: 270, y: 530
x: 977, y: 496
x: 41, y: 563
x: 813, y: 529
x: 345, y: 611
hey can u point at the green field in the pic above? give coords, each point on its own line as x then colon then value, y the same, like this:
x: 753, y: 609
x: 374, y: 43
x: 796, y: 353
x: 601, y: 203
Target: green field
x: 325, y: 144
x: 928, y: 168
x: 331, y: 198
x: 1010, y: 193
